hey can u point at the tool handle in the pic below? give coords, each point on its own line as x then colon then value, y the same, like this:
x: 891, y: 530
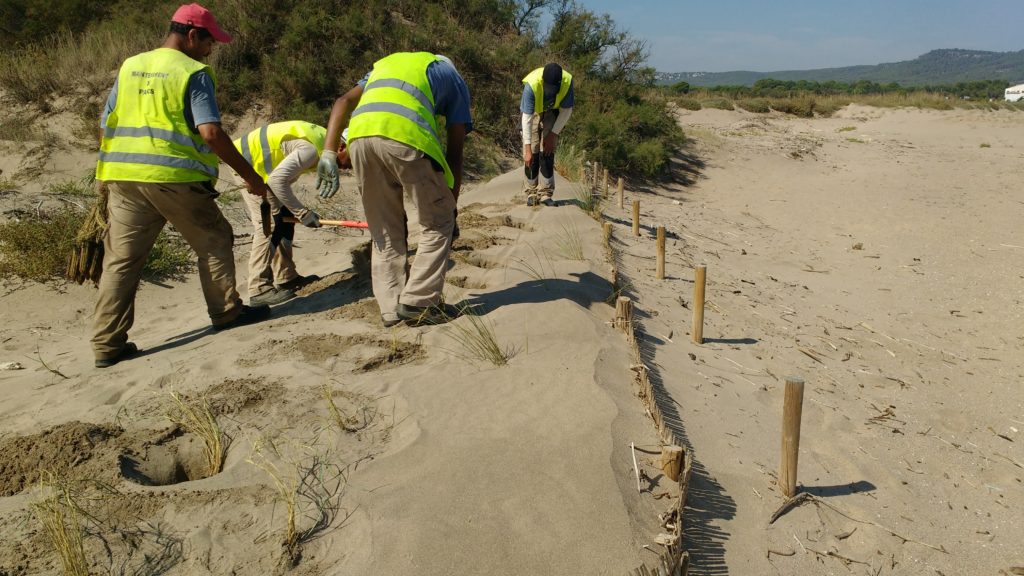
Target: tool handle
x: 345, y: 223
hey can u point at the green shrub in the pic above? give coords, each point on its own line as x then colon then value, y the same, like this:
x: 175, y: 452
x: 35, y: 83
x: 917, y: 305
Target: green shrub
x: 756, y: 105
x: 37, y: 247
x: 688, y: 103
x: 482, y: 157
x: 719, y: 103
x: 81, y: 188
x: 802, y: 107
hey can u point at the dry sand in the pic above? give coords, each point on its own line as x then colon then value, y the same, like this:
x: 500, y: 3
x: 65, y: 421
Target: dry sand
x: 887, y: 245
x: 448, y: 464
x: 879, y: 242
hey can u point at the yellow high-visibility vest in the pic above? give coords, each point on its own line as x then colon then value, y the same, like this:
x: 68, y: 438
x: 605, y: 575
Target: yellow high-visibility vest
x: 535, y: 80
x: 262, y: 147
x: 397, y: 103
x: 147, y: 138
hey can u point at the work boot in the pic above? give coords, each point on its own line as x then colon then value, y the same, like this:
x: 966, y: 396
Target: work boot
x: 248, y: 315
x: 427, y: 315
x: 298, y: 282
x: 271, y: 297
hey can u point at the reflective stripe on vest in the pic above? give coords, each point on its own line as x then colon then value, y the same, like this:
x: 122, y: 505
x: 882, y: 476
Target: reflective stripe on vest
x: 397, y: 103
x: 261, y: 148
x: 535, y: 80
x: 147, y: 138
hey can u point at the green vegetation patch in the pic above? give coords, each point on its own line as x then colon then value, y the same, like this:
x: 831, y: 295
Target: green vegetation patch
x: 36, y: 247
x: 756, y: 105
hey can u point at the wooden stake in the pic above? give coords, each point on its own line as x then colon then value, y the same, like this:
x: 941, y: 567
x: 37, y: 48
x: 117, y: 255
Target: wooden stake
x: 792, y: 409
x: 660, y: 272
x: 607, y: 233
x: 671, y: 461
x: 594, y: 176
x: 621, y: 200
x: 636, y: 217
x: 699, y: 278
x: 604, y: 186
x: 623, y: 313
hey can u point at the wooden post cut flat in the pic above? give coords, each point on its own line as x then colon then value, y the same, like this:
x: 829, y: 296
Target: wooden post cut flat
x: 593, y: 179
x: 636, y: 217
x: 699, y: 278
x: 604, y: 186
x: 623, y: 313
x: 660, y: 272
x: 792, y: 409
x: 621, y: 200
x: 607, y: 232
x: 671, y: 461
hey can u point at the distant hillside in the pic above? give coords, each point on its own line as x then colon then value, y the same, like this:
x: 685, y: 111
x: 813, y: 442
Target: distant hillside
x: 936, y: 67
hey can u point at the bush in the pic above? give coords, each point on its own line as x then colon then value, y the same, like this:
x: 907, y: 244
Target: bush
x: 37, y: 248
x: 802, y: 107
x: 719, y: 103
x: 688, y: 103
x: 756, y: 105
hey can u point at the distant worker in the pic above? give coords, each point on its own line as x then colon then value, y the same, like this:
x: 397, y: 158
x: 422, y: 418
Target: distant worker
x: 395, y: 147
x: 280, y: 153
x: 160, y: 141
x: 546, y: 106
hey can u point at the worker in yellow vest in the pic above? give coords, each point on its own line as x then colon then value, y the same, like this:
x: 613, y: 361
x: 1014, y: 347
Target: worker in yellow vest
x: 394, y: 144
x: 546, y: 106
x: 280, y: 153
x: 160, y: 143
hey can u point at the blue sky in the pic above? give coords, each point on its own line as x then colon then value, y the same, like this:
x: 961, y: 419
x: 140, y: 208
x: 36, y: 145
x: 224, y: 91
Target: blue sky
x: 767, y: 36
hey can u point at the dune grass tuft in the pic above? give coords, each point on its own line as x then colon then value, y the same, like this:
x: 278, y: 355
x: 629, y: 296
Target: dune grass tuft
x: 475, y: 336
x: 58, y: 513
x: 197, y: 418
x: 568, y: 242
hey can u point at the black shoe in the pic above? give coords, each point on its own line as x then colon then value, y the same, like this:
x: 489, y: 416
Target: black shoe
x: 389, y: 323
x: 547, y: 201
x: 299, y: 282
x: 427, y: 315
x: 248, y: 315
x: 129, y: 350
x: 272, y: 296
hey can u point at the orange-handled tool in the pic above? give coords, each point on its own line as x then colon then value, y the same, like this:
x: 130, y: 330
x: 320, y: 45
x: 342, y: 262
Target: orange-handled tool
x: 345, y: 223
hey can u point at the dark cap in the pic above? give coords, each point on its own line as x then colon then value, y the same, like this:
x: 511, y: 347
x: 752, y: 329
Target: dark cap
x: 552, y: 79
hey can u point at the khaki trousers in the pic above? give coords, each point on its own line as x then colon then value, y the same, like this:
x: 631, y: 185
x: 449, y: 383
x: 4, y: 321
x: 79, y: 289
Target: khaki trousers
x: 137, y: 212
x: 275, y: 264
x: 386, y: 169
x: 266, y: 263
x: 541, y: 170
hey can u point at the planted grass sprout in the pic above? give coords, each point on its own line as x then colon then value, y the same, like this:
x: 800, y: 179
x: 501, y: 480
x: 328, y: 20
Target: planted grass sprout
x: 197, y: 418
x: 59, y: 515
x: 476, y: 339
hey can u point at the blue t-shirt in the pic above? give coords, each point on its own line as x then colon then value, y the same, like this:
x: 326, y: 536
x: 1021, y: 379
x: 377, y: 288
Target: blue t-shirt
x: 200, y: 103
x: 526, y: 105
x: 451, y: 94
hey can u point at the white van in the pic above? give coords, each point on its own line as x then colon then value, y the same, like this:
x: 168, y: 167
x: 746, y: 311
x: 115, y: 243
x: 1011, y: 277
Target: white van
x: 1014, y: 93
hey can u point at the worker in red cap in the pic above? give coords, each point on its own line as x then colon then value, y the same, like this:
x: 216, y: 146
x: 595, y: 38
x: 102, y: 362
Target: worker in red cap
x: 161, y: 140
x: 546, y: 106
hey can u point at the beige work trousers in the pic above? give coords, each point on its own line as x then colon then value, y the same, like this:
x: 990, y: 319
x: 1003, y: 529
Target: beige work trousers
x: 385, y: 169
x: 268, y: 264
x: 137, y: 212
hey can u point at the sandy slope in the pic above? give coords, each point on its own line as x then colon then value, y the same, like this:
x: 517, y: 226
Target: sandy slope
x: 452, y: 465
x: 887, y: 244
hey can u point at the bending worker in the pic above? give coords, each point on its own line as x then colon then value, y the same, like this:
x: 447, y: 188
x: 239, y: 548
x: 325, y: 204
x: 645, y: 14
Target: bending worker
x: 161, y: 139
x: 395, y: 147
x: 546, y: 106
x: 279, y: 153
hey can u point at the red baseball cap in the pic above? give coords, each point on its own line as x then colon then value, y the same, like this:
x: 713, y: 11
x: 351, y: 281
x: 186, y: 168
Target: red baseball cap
x: 196, y: 15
